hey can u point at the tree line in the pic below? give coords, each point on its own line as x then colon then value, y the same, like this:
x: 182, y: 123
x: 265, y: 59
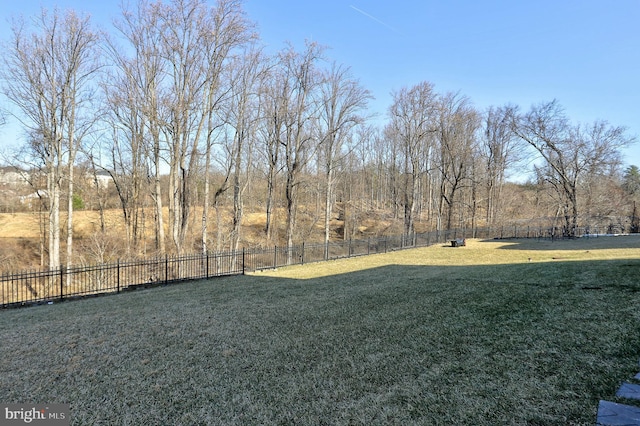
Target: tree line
x: 180, y: 103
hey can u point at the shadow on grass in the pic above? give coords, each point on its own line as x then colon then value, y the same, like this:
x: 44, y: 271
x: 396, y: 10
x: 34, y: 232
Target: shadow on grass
x: 397, y: 344
x: 582, y: 243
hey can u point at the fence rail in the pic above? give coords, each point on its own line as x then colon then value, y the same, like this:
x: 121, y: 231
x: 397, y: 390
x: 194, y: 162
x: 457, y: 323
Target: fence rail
x: 46, y: 286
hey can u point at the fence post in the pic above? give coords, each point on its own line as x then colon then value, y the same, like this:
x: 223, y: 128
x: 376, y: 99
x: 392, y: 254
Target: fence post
x: 368, y: 246
x: 207, y: 260
x: 62, y: 273
x: 243, y: 268
x: 118, y: 276
x: 275, y: 256
x: 166, y: 268
x: 302, y: 258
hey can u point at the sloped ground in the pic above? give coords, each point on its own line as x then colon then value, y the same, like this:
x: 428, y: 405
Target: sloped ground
x: 20, y: 233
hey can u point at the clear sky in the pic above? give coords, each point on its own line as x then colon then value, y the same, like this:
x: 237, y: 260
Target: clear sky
x: 584, y: 53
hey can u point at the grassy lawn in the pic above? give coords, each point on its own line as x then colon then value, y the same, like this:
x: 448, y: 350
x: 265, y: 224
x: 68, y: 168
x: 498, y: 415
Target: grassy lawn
x: 520, y: 332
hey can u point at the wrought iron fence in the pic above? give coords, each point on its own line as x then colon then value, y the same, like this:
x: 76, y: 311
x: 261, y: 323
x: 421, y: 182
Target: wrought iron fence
x: 46, y: 286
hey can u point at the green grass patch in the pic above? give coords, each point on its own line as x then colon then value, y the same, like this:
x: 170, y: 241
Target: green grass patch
x: 498, y: 332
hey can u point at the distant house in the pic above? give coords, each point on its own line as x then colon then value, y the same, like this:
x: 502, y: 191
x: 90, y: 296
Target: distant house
x: 13, y: 177
x: 31, y: 199
x: 103, y: 179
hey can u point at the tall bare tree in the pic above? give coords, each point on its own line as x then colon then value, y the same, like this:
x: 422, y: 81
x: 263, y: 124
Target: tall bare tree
x: 569, y: 151
x: 226, y: 31
x: 195, y: 40
x: 135, y: 98
x: 458, y: 123
x: 501, y: 149
x: 412, y: 125
x: 300, y: 107
x: 273, y: 97
x: 181, y: 47
x: 128, y: 152
x: 244, y: 112
x: 343, y: 101
x: 48, y: 76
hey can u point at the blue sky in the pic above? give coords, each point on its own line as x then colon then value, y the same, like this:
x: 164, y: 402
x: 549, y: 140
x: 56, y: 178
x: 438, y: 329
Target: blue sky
x: 584, y: 53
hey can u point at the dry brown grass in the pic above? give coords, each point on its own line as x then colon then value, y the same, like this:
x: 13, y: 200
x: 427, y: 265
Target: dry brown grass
x: 19, y: 225
x: 28, y: 225
x: 477, y: 252
x: 20, y: 233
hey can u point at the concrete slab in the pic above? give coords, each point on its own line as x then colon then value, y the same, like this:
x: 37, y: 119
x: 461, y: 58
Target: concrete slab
x: 629, y: 390
x: 614, y: 414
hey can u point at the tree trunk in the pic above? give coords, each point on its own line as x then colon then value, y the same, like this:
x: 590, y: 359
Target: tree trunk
x: 157, y: 197
x: 328, y: 208
x: 290, y: 193
x: 69, y: 221
x: 205, y: 202
x: 54, y: 222
x: 270, y: 202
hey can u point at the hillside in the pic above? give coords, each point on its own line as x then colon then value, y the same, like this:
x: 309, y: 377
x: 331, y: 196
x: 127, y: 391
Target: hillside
x: 20, y: 233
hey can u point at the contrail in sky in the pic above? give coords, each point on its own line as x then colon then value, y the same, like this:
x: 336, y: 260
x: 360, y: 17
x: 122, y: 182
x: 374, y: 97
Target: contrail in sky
x: 374, y: 18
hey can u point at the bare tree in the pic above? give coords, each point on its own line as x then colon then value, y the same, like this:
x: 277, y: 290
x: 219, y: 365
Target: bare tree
x: 226, y: 30
x: 363, y: 172
x: 501, y: 149
x: 412, y: 125
x: 388, y: 161
x: 300, y: 107
x: 128, y: 151
x: 569, y: 151
x: 182, y: 25
x: 244, y: 110
x: 135, y: 99
x: 458, y: 123
x: 343, y: 100
x: 273, y: 119
x: 194, y: 59
x: 48, y: 73
x: 80, y: 53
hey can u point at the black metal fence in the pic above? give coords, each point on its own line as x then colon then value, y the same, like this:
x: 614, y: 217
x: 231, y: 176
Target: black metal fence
x: 46, y: 286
